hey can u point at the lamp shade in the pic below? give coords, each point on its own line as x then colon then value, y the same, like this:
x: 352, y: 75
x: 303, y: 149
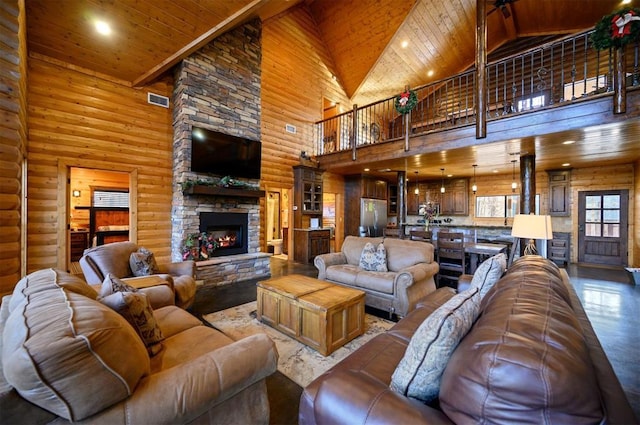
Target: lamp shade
x: 532, y: 226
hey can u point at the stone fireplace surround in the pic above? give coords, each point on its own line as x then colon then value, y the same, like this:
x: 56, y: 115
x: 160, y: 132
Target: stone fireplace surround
x: 218, y: 87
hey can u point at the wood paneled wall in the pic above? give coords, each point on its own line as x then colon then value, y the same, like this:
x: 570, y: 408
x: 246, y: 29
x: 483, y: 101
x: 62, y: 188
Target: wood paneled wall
x: 77, y: 120
x: 636, y: 218
x: 13, y: 135
x: 296, y: 76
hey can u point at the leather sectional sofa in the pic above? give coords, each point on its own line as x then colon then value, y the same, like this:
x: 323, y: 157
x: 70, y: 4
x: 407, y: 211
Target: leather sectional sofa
x: 410, y: 275
x: 67, y: 357
x: 531, y: 356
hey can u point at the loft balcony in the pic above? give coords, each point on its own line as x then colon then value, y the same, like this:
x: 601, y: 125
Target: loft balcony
x: 560, y: 86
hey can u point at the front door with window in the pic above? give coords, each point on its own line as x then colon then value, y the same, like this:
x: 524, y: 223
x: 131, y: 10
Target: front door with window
x: 602, y: 227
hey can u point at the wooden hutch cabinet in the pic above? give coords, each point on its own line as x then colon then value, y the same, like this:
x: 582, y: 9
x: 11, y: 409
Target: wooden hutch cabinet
x: 308, y: 242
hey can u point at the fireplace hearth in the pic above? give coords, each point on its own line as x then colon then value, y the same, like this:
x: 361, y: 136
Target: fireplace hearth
x: 230, y: 230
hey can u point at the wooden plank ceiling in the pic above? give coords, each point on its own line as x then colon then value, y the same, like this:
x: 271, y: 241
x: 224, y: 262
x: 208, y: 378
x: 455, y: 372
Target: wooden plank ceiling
x: 378, y: 46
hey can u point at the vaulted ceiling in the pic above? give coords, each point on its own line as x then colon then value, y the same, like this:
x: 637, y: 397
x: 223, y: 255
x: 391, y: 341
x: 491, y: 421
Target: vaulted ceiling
x: 377, y: 46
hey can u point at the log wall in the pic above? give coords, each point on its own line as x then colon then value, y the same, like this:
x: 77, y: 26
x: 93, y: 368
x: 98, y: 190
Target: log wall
x: 296, y: 76
x: 79, y: 120
x: 13, y: 135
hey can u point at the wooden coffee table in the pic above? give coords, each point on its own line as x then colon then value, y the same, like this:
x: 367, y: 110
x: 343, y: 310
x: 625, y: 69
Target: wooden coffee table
x: 319, y: 314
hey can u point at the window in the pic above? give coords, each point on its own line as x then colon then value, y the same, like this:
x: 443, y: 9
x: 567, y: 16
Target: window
x: 110, y: 198
x: 602, y: 216
x: 500, y: 206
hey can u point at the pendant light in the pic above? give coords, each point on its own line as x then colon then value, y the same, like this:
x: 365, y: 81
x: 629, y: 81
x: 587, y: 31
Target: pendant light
x: 416, y: 190
x: 514, y: 184
x: 474, y: 188
x: 442, y: 189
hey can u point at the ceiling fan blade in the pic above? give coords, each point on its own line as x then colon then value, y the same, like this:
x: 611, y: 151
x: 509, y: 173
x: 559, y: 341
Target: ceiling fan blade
x: 505, y: 12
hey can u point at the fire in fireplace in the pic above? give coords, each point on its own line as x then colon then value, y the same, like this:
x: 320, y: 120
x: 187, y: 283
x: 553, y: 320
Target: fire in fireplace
x: 228, y: 229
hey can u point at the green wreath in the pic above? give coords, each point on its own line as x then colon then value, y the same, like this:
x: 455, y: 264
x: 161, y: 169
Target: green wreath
x: 609, y: 34
x: 406, y: 101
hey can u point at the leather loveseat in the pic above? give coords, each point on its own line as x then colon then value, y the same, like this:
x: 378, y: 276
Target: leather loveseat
x: 531, y: 356
x: 410, y: 276
x: 67, y: 357
x: 114, y: 259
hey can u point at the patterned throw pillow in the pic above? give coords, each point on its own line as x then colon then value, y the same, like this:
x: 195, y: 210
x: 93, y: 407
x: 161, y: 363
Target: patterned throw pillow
x: 143, y: 263
x: 419, y: 372
x: 111, y: 285
x: 135, y: 308
x: 374, y: 259
x: 488, y: 273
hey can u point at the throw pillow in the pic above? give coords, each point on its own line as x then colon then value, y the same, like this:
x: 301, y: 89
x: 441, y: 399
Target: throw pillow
x: 135, y: 308
x: 488, y: 273
x: 419, y: 372
x: 374, y: 259
x: 143, y: 263
x: 111, y: 285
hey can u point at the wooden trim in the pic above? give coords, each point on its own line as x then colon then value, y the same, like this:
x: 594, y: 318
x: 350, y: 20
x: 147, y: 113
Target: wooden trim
x: 224, y: 191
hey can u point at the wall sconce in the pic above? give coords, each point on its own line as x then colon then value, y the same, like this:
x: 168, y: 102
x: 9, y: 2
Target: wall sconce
x: 442, y: 189
x: 474, y: 188
x: 514, y: 184
x: 75, y: 193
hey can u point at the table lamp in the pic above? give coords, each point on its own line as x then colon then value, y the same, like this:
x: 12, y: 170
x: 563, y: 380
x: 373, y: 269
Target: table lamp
x: 532, y: 227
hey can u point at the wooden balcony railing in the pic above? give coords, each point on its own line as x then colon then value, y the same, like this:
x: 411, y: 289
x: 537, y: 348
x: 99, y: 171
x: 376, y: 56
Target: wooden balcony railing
x: 561, y: 72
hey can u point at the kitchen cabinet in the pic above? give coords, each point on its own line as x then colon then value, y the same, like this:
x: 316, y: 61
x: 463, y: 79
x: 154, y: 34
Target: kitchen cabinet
x: 559, y: 192
x: 309, y: 242
x: 454, y: 201
x: 559, y: 248
x: 307, y: 196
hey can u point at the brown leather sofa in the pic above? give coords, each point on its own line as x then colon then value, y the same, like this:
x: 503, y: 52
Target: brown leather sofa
x: 530, y: 357
x: 410, y: 275
x: 113, y: 258
x: 66, y: 356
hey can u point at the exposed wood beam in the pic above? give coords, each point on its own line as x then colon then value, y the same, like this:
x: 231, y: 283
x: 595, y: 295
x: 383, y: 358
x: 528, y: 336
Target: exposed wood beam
x: 200, y: 42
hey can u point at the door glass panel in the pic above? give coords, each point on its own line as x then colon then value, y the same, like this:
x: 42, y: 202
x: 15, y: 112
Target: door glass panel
x: 611, y: 216
x: 592, y: 216
x: 611, y: 230
x: 592, y: 201
x: 611, y: 201
x: 592, y: 229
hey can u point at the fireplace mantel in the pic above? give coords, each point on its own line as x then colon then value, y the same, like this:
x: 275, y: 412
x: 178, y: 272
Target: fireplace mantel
x: 201, y: 189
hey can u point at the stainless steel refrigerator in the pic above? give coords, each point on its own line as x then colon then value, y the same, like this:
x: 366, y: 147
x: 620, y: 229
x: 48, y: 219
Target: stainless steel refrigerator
x: 373, y: 217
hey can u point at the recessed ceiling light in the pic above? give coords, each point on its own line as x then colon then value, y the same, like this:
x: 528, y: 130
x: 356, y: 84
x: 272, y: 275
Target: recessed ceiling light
x: 626, y: 1
x: 366, y: 169
x: 430, y: 73
x: 404, y: 44
x: 495, y: 171
x: 568, y: 142
x: 449, y: 175
x: 566, y: 164
x: 103, y: 28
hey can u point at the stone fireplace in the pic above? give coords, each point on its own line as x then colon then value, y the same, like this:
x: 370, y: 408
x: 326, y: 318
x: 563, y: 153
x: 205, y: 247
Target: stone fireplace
x: 218, y: 87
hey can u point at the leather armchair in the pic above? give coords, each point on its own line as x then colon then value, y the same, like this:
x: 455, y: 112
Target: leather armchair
x: 113, y: 258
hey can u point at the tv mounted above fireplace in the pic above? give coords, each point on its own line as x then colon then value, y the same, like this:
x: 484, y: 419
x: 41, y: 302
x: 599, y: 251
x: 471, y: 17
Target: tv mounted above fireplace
x: 213, y: 152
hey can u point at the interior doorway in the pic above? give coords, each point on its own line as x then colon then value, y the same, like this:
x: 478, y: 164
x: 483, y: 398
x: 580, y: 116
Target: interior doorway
x: 603, y: 227
x: 273, y: 224
x: 100, y: 206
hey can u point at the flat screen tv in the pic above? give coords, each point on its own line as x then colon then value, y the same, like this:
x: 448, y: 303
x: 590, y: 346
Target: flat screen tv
x: 221, y: 154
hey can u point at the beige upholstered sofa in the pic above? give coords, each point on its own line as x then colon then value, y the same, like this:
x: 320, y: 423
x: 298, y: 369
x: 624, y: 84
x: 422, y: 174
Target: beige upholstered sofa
x: 66, y: 356
x: 410, y: 275
x: 113, y: 258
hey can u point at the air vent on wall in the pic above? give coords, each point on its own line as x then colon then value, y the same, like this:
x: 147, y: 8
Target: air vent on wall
x: 156, y: 99
x: 290, y: 128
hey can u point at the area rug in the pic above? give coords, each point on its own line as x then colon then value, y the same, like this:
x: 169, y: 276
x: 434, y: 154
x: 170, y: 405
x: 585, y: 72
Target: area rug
x: 298, y: 362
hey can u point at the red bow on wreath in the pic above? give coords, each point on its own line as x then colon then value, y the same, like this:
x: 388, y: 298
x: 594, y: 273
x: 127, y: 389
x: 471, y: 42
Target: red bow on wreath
x: 620, y: 24
x: 404, y: 98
